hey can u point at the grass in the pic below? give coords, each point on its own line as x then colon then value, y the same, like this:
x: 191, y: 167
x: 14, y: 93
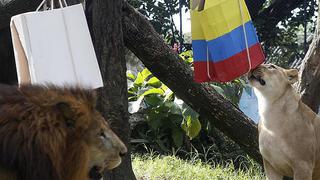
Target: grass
x: 150, y: 167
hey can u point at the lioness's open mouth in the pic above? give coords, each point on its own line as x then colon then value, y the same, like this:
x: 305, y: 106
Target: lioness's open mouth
x: 257, y: 77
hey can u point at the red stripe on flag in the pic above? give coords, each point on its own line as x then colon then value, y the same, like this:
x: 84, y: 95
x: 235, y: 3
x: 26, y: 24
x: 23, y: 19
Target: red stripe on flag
x: 229, y: 69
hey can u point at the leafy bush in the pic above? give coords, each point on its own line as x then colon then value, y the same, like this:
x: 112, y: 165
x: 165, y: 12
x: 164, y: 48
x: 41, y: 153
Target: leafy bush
x: 168, y: 118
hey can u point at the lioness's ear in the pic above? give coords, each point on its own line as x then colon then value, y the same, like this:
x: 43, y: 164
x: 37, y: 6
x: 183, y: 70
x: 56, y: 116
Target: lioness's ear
x: 66, y: 111
x: 292, y: 75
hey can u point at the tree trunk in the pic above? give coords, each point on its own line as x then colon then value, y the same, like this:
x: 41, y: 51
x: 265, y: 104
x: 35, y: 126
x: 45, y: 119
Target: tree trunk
x: 309, y: 84
x: 9, y: 8
x: 8, y: 73
x: 143, y: 40
x: 107, y: 36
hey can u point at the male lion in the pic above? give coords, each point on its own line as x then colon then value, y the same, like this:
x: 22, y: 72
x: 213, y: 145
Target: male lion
x: 52, y: 133
x: 289, y: 131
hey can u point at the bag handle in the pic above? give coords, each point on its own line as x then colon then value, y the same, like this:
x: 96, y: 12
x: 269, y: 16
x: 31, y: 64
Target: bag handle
x: 245, y: 35
x: 62, y: 4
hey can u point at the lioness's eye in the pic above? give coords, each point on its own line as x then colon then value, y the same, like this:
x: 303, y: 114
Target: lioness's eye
x: 272, y: 67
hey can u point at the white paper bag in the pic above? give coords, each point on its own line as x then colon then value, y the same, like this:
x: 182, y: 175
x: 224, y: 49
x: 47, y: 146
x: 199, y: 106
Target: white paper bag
x: 55, y: 47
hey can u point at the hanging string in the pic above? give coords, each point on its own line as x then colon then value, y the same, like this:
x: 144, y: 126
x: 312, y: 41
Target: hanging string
x: 245, y: 35
x: 208, y: 64
x: 62, y: 4
x: 41, y: 4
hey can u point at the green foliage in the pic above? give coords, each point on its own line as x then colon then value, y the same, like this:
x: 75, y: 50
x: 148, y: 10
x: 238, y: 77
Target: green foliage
x: 151, y: 167
x: 170, y: 123
x: 160, y: 15
x: 187, y: 56
x: 285, y: 44
x: 168, y: 118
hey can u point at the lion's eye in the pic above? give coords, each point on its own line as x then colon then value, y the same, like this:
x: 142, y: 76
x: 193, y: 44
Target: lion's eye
x: 103, y: 135
x: 70, y: 123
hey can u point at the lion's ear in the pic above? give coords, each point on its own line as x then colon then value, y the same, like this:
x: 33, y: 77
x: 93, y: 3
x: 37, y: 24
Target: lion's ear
x: 292, y: 75
x: 66, y: 111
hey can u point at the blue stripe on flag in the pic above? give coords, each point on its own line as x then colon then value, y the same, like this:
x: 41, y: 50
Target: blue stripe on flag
x: 225, y: 46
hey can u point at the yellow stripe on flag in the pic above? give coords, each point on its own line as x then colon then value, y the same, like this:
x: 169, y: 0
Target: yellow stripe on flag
x: 219, y: 17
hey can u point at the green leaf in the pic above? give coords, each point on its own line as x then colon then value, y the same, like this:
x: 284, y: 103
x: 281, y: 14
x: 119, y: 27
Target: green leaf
x: 188, y: 111
x: 131, y: 76
x: 175, y: 109
x: 139, y: 80
x: 142, y: 76
x: 154, y: 82
x: 134, y: 106
x: 131, y: 93
x: 169, y: 96
x: 164, y: 87
x: 219, y: 89
x: 177, y: 137
x: 145, y: 73
x: 191, y: 126
x: 155, y: 123
x: 194, y: 128
x: 153, y: 91
x: 153, y: 100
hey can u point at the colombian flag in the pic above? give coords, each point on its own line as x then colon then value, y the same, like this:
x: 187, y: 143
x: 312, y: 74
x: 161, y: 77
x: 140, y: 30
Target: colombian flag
x: 224, y: 40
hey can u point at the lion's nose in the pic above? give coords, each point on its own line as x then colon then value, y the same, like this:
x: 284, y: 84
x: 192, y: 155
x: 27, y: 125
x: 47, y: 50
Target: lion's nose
x: 123, y: 151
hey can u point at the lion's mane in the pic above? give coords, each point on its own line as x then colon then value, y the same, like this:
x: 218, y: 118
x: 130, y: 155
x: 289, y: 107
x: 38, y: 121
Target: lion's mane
x: 35, y: 140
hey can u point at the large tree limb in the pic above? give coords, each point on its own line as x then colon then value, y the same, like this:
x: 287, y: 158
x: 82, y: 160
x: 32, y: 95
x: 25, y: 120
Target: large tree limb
x: 309, y: 84
x: 143, y: 40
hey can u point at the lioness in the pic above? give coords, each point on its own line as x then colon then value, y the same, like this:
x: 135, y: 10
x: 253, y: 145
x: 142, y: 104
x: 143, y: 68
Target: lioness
x: 289, y: 131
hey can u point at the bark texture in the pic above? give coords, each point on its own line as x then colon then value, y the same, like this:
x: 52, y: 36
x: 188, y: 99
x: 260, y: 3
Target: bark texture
x: 107, y: 36
x: 8, y: 73
x: 149, y: 47
x: 309, y: 83
x: 9, y: 8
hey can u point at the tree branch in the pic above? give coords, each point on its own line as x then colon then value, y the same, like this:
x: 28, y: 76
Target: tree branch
x: 309, y: 83
x: 143, y: 40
